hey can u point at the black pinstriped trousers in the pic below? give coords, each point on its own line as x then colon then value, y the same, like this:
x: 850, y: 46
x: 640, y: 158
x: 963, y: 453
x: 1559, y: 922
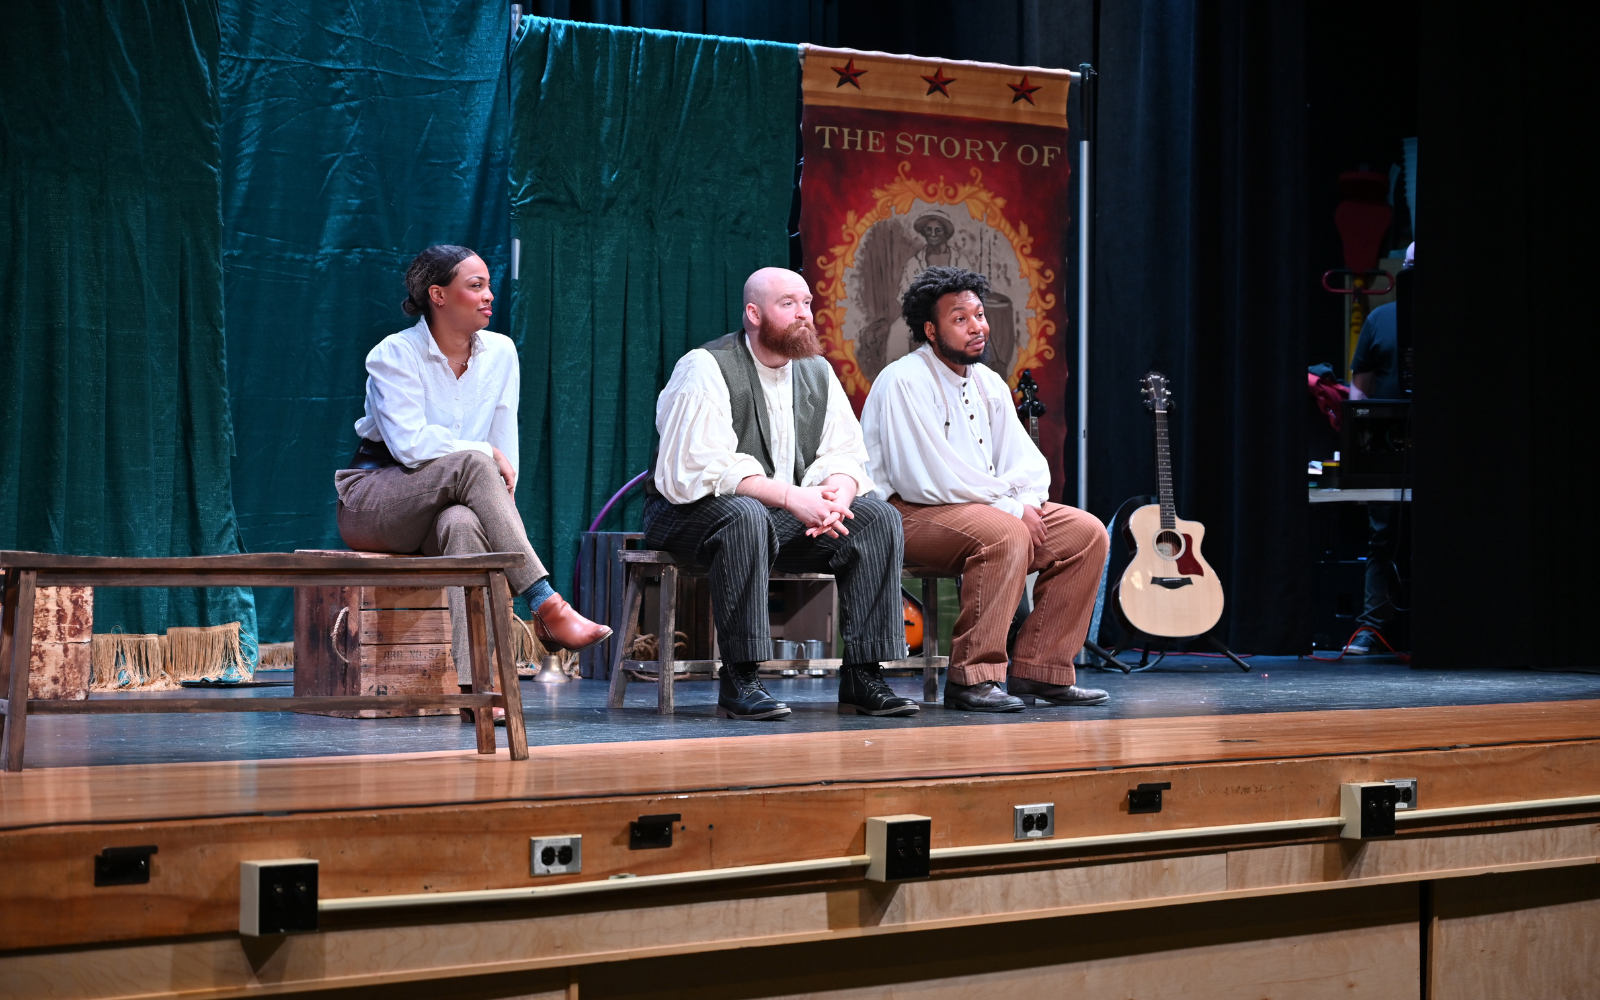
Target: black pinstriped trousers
x: 742, y: 540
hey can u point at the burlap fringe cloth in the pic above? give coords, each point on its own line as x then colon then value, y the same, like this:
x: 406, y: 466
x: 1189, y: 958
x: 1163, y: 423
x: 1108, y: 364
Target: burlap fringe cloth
x: 162, y: 662
x: 526, y: 647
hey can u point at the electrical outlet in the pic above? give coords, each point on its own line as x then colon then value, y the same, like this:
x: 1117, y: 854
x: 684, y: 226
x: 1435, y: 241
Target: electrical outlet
x: 556, y: 855
x: 1367, y: 808
x: 897, y: 847
x: 1408, y: 793
x: 277, y: 896
x: 1034, y: 821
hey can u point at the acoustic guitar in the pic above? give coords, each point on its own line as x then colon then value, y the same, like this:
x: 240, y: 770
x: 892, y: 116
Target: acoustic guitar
x: 1168, y: 590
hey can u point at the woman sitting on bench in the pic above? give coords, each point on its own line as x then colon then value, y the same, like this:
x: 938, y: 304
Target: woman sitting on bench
x: 436, y: 469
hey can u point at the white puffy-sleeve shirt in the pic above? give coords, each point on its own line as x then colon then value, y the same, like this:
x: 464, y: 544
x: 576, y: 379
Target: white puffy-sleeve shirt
x: 699, y: 454
x: 417, y: 406
x: 938, y: 438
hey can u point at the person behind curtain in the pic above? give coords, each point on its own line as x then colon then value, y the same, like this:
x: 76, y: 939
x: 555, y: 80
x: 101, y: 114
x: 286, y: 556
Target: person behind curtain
x: 971, y: 487
x: 1375, y: 374
x: 436, y: 470
x: 761, y: 465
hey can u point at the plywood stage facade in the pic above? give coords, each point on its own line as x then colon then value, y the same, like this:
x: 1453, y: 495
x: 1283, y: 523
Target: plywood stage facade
x: 1453, y: 906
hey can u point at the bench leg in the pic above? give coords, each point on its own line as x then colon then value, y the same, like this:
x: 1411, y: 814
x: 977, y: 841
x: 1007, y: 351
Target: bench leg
x: 930, y: 639
x: 16, y: 650
x: 500, y: 601
x: 482, y: 679
x: 632, y: 595
x: 667, y: 641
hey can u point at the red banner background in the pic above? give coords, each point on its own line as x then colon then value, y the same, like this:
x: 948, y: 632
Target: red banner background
x: 885, y: 193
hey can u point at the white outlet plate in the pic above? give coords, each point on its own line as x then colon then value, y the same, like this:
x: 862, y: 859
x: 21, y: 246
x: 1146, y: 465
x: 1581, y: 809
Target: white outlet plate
x: 1408, y: 793
x: 1034, y: 822
x: 556, y: 855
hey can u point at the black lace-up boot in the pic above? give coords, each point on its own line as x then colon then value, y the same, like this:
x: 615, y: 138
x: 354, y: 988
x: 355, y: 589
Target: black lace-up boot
x: 863, y: 691
x: 743, y: 696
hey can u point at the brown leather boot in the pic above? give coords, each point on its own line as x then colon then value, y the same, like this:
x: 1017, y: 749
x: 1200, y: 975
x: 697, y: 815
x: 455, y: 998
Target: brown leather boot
x: 558, y: 626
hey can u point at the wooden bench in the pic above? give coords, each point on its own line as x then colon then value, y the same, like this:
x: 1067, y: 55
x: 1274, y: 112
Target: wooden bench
x: 483, y: 576
x: 641, y: 563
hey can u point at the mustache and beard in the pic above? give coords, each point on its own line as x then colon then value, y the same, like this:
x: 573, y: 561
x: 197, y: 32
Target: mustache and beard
x: 956, y: 356
x: 797, y: 340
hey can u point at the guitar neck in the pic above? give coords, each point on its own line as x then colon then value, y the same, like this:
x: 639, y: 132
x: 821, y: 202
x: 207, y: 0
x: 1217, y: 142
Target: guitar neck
x: 1033, y: 430
x: 1169, y: 516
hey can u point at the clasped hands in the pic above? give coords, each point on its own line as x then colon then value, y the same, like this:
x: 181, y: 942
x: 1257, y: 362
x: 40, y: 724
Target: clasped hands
x: 822, y: 508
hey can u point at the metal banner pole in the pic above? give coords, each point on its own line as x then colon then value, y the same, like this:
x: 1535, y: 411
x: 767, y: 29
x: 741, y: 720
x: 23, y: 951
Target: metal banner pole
x: 1086, y: 98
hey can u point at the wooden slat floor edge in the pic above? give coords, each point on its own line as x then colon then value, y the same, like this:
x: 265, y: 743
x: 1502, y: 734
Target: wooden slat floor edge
x: 145, y: 792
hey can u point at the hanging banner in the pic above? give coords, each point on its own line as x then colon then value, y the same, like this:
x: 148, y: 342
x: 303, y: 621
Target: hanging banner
x: 914, y: 162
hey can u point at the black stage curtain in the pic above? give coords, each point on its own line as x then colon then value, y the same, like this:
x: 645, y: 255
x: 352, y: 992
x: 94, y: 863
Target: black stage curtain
x: 1199, y: 273
x: 1505, y: 341
x: 1199, y: 265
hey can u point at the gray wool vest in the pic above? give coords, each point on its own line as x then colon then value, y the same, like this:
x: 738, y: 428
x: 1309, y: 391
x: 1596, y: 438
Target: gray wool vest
x: 810, y: 384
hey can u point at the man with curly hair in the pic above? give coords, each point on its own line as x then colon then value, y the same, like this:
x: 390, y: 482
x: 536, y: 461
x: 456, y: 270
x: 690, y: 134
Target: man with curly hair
x: 948, y: 451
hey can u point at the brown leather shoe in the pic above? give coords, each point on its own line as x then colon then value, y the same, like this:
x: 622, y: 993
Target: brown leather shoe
x: 1055, y: 694
x: 558, y: 626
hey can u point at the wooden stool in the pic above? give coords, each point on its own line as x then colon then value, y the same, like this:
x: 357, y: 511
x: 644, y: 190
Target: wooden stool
x: 639, y: 564
x: 931, y: 660
x: 642, y: 563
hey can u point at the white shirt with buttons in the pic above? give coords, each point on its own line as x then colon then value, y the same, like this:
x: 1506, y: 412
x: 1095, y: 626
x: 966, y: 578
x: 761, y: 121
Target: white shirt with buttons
x: 417, y: 406
x: 935, y: 437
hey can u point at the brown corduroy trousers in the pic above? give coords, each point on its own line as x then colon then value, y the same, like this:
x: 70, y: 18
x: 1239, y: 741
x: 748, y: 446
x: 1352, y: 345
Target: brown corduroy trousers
x: 993, y: 553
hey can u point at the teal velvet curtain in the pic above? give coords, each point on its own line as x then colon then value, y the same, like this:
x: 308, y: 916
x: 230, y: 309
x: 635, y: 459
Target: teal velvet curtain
x: 353, y: 135
x: 651, y: 172
x: 114, y: 424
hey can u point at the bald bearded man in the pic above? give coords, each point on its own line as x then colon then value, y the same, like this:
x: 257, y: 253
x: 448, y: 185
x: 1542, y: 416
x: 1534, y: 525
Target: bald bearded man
x: 762, y: 465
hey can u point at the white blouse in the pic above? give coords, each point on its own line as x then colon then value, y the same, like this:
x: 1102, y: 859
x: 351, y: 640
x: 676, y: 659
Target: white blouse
x: 938, y: 438
x: 417, y: 406
x: 699, y: 456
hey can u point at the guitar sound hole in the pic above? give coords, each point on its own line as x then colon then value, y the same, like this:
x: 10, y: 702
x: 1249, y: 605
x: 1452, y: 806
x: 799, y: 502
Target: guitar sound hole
x: 1169, y: 544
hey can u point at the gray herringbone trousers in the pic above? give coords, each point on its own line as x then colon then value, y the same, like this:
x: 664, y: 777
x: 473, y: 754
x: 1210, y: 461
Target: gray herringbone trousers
x: 742, y: 541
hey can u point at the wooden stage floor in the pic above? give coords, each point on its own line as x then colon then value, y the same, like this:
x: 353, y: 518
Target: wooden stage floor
x: 156, y: 793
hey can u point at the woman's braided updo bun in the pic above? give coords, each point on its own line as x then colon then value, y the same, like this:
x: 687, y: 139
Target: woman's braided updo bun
x: 433, y: 266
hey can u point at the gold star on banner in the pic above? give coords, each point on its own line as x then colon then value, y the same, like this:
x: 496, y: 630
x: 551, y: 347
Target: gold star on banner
x: 1022, y: 91
x: 939, y: 82
x: 848, y: 74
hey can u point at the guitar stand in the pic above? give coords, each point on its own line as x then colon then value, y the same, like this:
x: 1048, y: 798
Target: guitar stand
x: 1109, y: 659
x: 1144, y: 652
x: 1222, y: 648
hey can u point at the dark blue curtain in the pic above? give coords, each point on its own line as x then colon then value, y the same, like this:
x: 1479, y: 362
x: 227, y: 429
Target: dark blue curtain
x: 353, y: 135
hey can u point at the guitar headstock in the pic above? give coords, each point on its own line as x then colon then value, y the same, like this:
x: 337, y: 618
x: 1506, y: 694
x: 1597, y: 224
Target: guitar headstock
x: 1157, y: 392
x: 1030, y: 405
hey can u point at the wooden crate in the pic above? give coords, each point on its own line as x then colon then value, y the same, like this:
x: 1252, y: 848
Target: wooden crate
x: 389, y: 640
x: 63, y: 630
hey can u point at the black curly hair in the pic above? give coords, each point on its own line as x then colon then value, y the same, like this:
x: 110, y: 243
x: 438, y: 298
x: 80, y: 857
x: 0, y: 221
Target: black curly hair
x: 920, y: 303
x: 434, y: 266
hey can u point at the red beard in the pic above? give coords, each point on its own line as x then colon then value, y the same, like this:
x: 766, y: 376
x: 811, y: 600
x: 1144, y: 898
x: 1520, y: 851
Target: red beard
x: 797, y: 340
